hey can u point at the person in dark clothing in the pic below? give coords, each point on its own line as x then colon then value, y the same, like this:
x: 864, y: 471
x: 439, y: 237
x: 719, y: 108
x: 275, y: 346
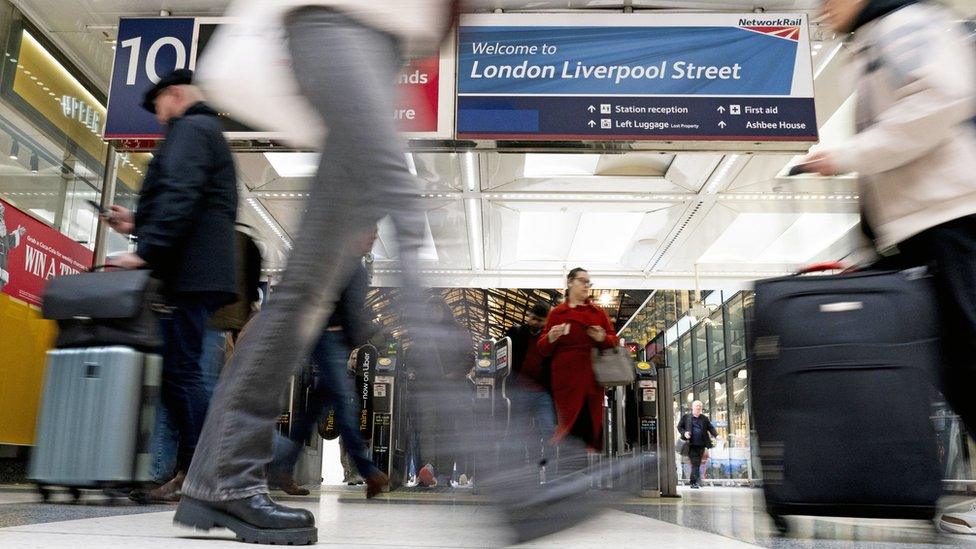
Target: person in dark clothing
x: 348, y: 328
x: 533, y: 403
x: 443, y: 395
x: 698, y: 431
x: 184, y: 225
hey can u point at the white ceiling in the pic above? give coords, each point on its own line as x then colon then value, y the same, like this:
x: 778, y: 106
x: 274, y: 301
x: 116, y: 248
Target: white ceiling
x: 636, y: 220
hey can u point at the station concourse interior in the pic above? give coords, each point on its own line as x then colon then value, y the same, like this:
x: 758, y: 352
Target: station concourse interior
x: 673, y: 231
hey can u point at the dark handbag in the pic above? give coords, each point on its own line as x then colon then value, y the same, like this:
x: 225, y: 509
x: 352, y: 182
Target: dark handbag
x: 105, y: 308
x: 613, y: 367
x: 682, y: 447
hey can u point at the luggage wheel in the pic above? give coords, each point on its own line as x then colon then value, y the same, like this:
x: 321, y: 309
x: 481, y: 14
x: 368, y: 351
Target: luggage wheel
x: 782, y: 525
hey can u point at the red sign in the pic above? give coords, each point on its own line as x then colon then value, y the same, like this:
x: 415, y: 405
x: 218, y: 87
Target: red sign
x: 419, y: 91
x: 31, y: 253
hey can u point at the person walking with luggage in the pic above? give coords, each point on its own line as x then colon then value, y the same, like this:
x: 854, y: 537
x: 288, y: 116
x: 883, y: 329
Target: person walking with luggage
x: 184, y: 224
x: 573, y: 330
x: 348, y: 328
x: 697, y: 431
x: 915, y: 154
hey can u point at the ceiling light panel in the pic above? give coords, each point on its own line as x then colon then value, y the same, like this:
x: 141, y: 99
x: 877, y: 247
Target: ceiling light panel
x: 604, y: 237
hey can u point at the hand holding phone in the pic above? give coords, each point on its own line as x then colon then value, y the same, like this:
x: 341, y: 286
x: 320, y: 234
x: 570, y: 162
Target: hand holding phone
x: 98, y: 208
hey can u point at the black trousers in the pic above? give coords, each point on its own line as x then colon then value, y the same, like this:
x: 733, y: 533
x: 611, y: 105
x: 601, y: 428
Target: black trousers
x: 695, y: 453
x: 949, y: 250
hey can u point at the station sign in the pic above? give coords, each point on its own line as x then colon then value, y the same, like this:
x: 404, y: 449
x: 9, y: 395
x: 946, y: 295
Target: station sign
x: 658, y: 77
x: 148, y: 48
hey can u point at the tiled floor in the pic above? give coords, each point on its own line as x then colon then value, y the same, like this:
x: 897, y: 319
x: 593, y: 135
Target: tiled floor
x: 712, y: 518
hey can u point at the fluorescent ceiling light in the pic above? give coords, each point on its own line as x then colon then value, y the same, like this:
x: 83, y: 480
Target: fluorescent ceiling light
x: 778, y: 237
x: 386, y: 245
x: 547, y: 165
x: 545, y: 236
x: 604, y: 237
x: 293, y: 164
x: 810, y: 235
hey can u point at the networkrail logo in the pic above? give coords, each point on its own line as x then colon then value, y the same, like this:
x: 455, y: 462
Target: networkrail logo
x: 787, y: 29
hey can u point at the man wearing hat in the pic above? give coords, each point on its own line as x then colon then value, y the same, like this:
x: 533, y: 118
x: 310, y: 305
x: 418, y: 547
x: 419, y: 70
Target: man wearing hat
x: 184, y: 226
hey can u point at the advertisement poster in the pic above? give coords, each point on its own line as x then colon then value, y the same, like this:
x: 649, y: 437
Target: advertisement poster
x: 661, y: 77
x: 31, y: 253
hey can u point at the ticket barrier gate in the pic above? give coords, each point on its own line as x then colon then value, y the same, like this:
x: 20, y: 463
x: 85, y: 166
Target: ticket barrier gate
x: 657, y: 476
x: 616, y: 446
x: 308, y: 468
x: 386, y: 439
x: 492, y: 407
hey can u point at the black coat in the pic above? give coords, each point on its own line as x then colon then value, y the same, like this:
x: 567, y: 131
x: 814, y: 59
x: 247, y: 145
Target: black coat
x: 708, y: 430
x: 187, y: 207
x: 350, y: 312
x: 521, y: 336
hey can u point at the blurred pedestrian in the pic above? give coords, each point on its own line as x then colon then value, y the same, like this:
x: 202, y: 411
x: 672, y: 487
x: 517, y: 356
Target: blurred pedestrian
x: 915, y: 154
x: 444, y: 405
x: 362, y: 177
x: 531, y: 384
x: 348, y: 328
x: 697, y: 430
x: 184, y: 225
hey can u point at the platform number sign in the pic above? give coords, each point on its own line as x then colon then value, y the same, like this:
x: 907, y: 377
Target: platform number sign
x: 146, y: 50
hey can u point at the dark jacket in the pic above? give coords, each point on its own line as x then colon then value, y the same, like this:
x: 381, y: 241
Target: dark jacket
x: 234, y: 316
x: 708, y: 430
x: 187, y: 206
x: 350, y: 312
x: 522, y: 337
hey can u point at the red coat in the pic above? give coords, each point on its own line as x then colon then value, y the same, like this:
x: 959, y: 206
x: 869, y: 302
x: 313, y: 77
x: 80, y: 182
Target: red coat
x: 573, y: 384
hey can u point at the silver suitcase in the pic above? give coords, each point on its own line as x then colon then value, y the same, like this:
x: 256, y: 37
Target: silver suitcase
x: 97, y: 413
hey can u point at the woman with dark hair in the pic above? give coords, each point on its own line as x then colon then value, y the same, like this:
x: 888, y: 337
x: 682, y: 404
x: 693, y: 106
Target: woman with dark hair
x: 573, y: 329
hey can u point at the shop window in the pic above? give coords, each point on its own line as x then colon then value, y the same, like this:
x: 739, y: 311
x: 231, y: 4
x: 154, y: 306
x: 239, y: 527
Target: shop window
x: 740, y: 424
x: 700, y: 352
x: 672, y: 362
x: 720, y: 463
x: 701, y: 393
x: 685, y: 359
x: 736, y: 326
x: 715, y: 329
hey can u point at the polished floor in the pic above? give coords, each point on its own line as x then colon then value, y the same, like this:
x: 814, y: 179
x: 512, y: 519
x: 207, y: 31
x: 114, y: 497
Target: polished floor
x: 712, y: 518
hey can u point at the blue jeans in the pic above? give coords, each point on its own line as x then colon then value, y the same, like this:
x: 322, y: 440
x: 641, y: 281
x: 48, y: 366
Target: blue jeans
x: 165, y: 437
x: 334, y: 389
x: 536, y: 407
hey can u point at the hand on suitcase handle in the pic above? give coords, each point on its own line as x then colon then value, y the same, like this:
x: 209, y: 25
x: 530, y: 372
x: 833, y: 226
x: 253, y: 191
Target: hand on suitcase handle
x: 826, y: 266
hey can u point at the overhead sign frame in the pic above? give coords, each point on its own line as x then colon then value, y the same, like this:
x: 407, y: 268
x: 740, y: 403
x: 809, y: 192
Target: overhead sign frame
x: 602, y: 76
x: 420, y: 79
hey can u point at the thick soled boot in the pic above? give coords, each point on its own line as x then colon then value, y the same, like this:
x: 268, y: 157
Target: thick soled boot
x: 257, y: 519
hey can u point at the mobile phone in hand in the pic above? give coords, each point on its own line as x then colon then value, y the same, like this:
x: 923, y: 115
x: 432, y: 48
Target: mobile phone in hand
x: 98, y: 207
x: 799, y: 169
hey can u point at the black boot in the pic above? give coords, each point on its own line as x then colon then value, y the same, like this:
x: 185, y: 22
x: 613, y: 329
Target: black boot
x: 257, y: 519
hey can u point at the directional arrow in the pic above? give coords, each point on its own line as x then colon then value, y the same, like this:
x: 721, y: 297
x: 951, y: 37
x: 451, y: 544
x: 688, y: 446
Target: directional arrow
x: 592, y: 108
x: 721, y: 109
x: 722, y: 124
x: 592, y: 123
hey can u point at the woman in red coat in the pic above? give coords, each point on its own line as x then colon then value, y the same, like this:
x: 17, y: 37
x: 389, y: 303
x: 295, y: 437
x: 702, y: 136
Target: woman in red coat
x: 572, y: 330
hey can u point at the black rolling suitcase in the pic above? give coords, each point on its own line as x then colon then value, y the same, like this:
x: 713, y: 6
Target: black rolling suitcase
x: 842, y: 383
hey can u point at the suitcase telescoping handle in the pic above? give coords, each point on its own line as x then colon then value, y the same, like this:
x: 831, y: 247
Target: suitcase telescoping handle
x: 826, y: 266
